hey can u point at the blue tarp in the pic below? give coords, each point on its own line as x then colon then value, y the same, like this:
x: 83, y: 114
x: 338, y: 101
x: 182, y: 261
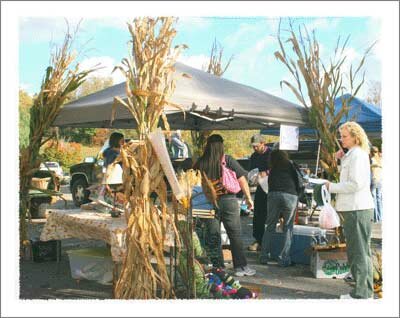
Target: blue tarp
x: 366, y: 114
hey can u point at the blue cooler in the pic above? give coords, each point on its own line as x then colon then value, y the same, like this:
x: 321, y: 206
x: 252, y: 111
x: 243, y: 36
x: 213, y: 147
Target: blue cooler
x: 304, y: 237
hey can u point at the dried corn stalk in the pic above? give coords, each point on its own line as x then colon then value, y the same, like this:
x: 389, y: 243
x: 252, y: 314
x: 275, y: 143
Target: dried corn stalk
x: 323, y: 85
x: 60, y: 80
x: 149, y: 84
x: 377, y: 272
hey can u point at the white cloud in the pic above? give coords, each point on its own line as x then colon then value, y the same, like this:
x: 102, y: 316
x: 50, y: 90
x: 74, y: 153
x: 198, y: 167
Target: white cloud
x: 374, y: 33
x: 273, y: 25
x: 322, y: 23
x: 45, y: 29
x: 106, y: 65
x: 27, y: 87
x: 244, y: 31
x: 190, y: 23
x: 197, y: 61
x: 250, y: 59
x: 119, y: 22
x: 353, y: 59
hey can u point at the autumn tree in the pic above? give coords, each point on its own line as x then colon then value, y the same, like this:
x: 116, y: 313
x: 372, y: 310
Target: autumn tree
x: 25, y: 103
x: 374, y: 93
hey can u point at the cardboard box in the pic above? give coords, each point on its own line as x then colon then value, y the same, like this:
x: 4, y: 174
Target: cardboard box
x: 329, y: 264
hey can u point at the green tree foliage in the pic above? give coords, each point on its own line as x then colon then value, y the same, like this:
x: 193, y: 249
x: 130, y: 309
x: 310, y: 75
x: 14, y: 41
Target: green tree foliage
x: 90, y: 86
x: 65, y: 153
x: 25, y: 102
x: 236, y: 142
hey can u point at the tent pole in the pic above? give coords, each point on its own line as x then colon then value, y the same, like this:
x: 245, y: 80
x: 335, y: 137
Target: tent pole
x: 319, y: 150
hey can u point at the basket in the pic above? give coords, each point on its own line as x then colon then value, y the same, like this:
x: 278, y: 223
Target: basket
x: 40, y: 183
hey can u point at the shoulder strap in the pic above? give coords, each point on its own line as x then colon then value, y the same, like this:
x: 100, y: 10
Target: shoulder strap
x: 223, y: 160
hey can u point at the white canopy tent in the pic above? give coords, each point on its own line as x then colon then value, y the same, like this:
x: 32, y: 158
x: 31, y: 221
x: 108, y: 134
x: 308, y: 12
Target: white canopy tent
x: 210, y: 102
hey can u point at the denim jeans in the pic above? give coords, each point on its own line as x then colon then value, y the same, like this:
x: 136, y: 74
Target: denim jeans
x: 280, y: 204
x: 376, y: 189
x: 229, y: 214
x: 260, y: 214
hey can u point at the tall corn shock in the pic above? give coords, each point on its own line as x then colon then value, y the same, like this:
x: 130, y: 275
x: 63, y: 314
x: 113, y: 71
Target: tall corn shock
x: 59, y: 81
x: 149, y: 84
x: 322, y: 84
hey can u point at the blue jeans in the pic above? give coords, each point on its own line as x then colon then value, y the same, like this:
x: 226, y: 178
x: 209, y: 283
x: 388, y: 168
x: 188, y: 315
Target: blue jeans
x: 280, y: 204
x: 229, y: 214
x: 376, y: 189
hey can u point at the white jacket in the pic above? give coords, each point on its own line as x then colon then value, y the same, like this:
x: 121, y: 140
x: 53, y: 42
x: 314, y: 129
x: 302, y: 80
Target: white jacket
x: 353, y: 190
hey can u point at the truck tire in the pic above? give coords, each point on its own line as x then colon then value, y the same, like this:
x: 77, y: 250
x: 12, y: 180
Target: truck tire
x: 79, y: 193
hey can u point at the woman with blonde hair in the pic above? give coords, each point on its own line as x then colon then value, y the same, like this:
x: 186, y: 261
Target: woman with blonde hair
x: 354, y: 202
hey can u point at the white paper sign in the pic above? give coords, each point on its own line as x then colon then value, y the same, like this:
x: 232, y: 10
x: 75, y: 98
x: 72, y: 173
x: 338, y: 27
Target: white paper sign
x: 289, y: 138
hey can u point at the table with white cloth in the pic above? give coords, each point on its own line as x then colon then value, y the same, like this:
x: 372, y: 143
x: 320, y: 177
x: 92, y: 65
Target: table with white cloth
x: 91, y: 225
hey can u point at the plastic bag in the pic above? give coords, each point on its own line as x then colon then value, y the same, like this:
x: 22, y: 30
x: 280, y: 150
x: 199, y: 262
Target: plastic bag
x: 328, y: 217
x: 252, y: 177
x: 263, y: 182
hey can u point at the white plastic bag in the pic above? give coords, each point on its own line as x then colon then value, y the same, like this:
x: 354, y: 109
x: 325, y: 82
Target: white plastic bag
x: 263, y: 182
x: 252, y: 177
x: 328, y: 217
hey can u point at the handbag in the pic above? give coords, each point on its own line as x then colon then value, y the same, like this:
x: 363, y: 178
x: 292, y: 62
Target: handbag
x: 228, y: 178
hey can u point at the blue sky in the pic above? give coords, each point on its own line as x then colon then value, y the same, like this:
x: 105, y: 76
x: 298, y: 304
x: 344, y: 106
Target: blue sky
x: 251, y: 40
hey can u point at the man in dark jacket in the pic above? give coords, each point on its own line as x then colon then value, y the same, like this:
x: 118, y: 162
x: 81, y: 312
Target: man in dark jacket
x: 259, y: 159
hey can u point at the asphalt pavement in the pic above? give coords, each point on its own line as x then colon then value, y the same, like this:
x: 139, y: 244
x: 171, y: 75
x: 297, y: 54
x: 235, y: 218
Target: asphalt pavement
x: 52, y: 280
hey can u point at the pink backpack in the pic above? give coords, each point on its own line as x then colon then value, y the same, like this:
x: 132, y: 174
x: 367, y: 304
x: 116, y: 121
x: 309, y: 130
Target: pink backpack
x: 229, y: 180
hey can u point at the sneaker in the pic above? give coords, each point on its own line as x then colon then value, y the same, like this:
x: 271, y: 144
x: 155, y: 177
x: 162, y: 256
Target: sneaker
x: 255, y: 246
x: 348, y: 296
x: 244, y: 271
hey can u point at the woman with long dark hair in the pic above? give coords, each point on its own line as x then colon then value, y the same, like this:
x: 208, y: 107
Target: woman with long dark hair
x: 228, y: 206
x: 282, y: 202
